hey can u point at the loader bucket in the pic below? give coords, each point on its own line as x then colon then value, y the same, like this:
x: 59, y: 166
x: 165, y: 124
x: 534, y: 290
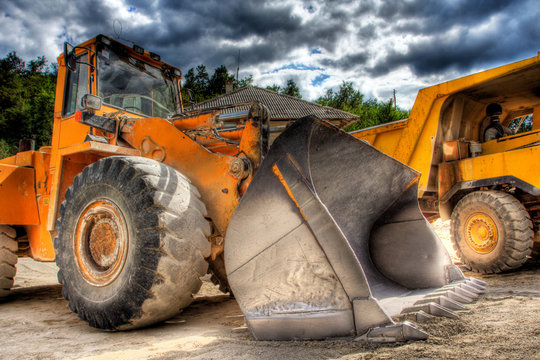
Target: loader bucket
x: 329, y: 241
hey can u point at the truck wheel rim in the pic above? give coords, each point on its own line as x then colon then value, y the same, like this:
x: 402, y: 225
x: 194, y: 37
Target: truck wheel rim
x: 101, y: 242
x: 481, y: 233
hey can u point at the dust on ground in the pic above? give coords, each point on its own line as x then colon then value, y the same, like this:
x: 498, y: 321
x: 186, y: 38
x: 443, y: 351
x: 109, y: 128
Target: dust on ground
x: 37, y: 324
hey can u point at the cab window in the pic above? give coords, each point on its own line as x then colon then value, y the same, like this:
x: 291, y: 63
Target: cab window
x: 76, y: 86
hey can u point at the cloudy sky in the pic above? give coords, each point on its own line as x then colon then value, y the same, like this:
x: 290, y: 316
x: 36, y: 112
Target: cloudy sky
x: 378, y: 45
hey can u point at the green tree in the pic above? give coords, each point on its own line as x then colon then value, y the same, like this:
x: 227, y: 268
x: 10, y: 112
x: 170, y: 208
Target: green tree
x: 219, y: 80
x: 202, y: 82
x: 242, y: 83
x: 26, y: 101
x: 196, y: 82
x: 203, y: 87
x: 187, y: 87
x: 370, y: 112
x: 375, y: 113
x: 347, y: 98
x: 274, y: 87
x: 291, y: 89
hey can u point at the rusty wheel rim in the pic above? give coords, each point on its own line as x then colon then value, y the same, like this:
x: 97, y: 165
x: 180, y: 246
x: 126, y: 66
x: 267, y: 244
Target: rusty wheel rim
x: 100, y: 242
x: 481, y: 233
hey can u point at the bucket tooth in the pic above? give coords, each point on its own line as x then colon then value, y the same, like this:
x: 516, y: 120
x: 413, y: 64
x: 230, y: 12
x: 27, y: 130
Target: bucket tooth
x: 393, y: 333
x: 457, y: 297
x: 465, y: 286
x: 454, y: 273
x: 432, y: 308
x: 480, y: 288
x: 472, y: 289
x: 368, y: 313
x: 442, y: 300
x: 329, y: 241
x: 451, y: 304
x: 464, y: 292
x: 477, y: 281
x: 439, y: 310
x: 422, y: 316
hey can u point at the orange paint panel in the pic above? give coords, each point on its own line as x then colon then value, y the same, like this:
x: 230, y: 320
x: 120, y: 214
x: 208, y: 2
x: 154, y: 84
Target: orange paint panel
x: 18, y: 197
x: 201, y: 121
x: 60, y: 181
x: 72, y: 132
x: 24, y: 158
x: 225, y: 149
x: 41, y: 243
x: 250, y: 144
x: 9, y: 160
x: 207, y: 170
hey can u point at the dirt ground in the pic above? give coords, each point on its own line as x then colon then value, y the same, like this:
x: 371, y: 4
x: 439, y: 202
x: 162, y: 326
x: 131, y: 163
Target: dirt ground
x: 37, y: 324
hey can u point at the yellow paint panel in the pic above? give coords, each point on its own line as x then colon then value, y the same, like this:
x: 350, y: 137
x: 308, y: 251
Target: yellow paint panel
x: 508, y: 163
x: 387, y: 142
x: 510, y: 142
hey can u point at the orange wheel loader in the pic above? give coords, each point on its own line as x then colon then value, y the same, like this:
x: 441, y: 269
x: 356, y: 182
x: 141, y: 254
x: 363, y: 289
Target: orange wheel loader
x: 136, y: 199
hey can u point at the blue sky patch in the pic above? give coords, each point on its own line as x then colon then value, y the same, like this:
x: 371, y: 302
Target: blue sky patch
x: 319, y: 80
x: 300, y: 67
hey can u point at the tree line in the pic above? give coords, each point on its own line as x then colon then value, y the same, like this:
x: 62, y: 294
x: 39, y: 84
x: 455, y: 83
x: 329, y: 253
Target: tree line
x: 27, y: 92
x: 199, y: 85
x: 26, y: 102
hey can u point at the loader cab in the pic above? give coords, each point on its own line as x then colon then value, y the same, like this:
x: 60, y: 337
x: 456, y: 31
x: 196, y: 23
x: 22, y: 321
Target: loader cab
x: 126, y: 79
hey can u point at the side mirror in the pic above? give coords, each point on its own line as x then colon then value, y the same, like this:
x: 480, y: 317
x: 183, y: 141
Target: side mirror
x: 69, y: 57
x: 91, y: 102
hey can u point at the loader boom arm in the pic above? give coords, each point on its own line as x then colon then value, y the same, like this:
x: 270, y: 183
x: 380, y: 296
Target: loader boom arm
x: 219, y: 177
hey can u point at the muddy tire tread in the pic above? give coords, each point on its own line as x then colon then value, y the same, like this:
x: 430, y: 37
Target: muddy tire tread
x: 163, y: 201
x: 8, y: 259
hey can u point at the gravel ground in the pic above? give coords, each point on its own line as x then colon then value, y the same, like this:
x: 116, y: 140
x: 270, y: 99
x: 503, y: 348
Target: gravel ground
x: 36, y: 321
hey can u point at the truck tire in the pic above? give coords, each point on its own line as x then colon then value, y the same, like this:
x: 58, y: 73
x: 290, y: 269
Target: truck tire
x: 491, y: 231
x: 131, y: 244
x: 8, y: 259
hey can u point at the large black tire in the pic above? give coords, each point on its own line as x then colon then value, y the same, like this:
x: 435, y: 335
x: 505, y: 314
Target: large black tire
x: 8, y: 259
x: 491, y: 231
x: 131, y: 244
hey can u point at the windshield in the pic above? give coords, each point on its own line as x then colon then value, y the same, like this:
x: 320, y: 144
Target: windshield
x: 130, y: 84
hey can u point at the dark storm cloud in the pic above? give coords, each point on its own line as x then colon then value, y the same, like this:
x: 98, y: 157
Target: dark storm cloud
x: 196, y: 28
x: 458, y: 41
x: 349, y: 62
x: 190, y: 32
x: 443, y: 12
x: 350, y: 37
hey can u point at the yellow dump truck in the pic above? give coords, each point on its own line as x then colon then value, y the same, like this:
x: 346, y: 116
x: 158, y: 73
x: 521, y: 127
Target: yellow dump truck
x: 475, y: 171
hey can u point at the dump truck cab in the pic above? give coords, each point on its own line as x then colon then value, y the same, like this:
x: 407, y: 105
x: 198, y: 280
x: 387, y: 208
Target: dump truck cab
x: 444, y: 138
